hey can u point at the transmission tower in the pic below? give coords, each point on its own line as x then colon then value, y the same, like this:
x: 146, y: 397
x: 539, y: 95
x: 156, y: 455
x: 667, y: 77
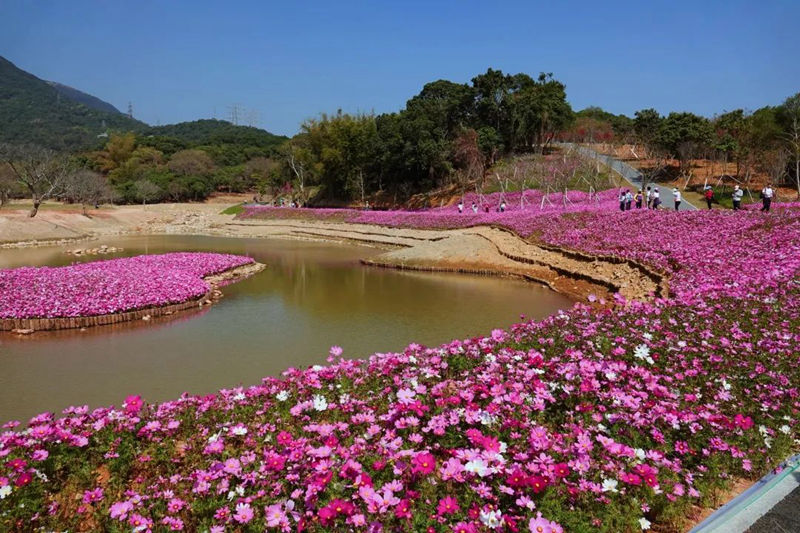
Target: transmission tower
x: 234, y: 113
x: 130, y: 110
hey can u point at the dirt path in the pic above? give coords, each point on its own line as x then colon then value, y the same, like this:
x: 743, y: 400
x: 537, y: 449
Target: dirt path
x: 482, y: 250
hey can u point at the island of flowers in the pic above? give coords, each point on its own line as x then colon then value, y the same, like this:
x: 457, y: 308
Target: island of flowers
x: 606, y: 419
x: 111, y: 286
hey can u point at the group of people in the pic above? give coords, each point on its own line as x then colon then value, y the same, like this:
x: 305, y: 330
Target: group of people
x: 500, y: 208
x: 653, y: 198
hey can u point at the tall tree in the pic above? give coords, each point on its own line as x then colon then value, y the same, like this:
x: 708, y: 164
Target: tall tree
x: 41, y: 171
x: 646, y: 126
x: 789, y: 119
x: 87, y: 188
x: 684, y: 134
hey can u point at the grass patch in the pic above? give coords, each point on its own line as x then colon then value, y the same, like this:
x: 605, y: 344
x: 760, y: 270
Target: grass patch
x: 233, y: 210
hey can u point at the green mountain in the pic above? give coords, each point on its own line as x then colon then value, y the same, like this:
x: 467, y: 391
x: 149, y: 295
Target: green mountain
x: 63, y: 118
x: 81, y: 97
x: 34, y: 111
x: 211, y: 132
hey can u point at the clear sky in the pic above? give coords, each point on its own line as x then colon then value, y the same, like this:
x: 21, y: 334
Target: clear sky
x: 183, y: 60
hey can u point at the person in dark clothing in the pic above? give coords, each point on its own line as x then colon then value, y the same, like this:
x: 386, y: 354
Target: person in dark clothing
x: 709, y: 196
x: 766, y: 198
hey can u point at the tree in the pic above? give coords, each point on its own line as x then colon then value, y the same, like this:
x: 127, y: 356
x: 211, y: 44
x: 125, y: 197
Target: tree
x: 646, y: 125
x: 8, y: 183
x: 146, y: 190
x: 469, y: 158
x: 789, y: 119
x: 684, y: 134
x: 41, y: 171
x: 191, y: 163
x: 87, y: 188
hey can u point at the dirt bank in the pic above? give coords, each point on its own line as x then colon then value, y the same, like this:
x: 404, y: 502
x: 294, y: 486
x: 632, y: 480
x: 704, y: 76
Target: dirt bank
x: 481, y: 250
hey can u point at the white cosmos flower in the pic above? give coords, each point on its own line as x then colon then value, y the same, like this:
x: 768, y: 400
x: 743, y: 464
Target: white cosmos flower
x: 5, y: 490
x: 644, y: 523
x: 610, y: 485
x: 491, y: 519
x: 320, y: 403
x: 641, y: 351
x: 282, y: 396
x: 477, y: 466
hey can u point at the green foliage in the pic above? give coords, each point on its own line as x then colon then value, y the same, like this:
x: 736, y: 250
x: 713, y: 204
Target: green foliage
x: 420, y: 147
x: 34, y: 112
x: 681, y: 128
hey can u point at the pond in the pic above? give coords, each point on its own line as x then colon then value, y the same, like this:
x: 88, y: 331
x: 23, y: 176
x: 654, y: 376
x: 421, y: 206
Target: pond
x: 311, y: 296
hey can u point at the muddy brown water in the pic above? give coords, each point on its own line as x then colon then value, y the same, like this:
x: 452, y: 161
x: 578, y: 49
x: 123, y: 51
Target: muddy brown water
x: 311, y: 296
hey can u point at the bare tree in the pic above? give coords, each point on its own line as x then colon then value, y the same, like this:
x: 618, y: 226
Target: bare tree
x: 774, y: 162
x: 300, y: 173
x: 87, y: 188
x: 469, y: 160
x: 8, y: 183
x: 146, y: 191
x: 660, y: 160
x: 790, y: 115
x: 41, y: 171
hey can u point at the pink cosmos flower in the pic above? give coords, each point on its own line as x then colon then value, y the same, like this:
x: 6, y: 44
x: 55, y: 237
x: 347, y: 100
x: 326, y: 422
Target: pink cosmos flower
x: 120, y: 510
x: 447, y: 505
x: 244, y: 513
x: 424, y: 463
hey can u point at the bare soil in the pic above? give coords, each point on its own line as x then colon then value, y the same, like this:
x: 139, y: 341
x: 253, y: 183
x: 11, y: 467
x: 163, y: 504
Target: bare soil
x: 484, y: 250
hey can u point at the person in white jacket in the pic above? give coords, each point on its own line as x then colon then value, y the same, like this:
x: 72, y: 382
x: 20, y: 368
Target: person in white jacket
x: 676, y: 195
x: 766, y: 198
x: 737, y: 195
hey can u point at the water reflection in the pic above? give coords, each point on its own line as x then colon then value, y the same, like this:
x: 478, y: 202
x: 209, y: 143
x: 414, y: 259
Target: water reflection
x: 309, y: 297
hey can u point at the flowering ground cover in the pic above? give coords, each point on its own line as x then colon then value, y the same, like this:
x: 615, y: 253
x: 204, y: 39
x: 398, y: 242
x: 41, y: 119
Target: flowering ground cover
x: 520, y: 207
x: 112, y: 286
x: 592, y: 420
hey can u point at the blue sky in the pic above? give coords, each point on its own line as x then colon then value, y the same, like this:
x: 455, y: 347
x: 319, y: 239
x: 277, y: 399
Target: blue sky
x: 183, y: 60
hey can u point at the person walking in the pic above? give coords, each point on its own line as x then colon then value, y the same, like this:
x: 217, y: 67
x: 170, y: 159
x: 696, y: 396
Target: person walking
x: 709, y: 195
x: 649, y: 198
x: 766, y: 198
x: 676, y: 195
x: 622, y: 200
x: 638, y: 199
x: 737, y: 195
x: 460, y: 206
x: 503, y: 206
x: 628, y: 199
x: 656, y: 199
x: 474, y: 208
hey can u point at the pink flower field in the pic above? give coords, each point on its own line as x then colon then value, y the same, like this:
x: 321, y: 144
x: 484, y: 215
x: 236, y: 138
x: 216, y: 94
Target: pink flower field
x: 591, y: 420
x: 112, y: 286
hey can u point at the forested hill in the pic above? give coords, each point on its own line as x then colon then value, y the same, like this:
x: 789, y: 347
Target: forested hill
x: 83, y: 98
x: 212, y: 132
x: 33, y: 111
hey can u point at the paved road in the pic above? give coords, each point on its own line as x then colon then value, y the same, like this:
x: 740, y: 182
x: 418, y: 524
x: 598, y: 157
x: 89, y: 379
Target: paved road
x: 784, y: 517
x: 632, y: 176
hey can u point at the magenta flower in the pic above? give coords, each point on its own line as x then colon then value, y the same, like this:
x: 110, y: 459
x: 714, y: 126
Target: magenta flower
x: 424, y: 463
x: 447, y: 505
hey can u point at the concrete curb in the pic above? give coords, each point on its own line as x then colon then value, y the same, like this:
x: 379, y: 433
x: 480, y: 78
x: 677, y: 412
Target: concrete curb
x: 739, y: 514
